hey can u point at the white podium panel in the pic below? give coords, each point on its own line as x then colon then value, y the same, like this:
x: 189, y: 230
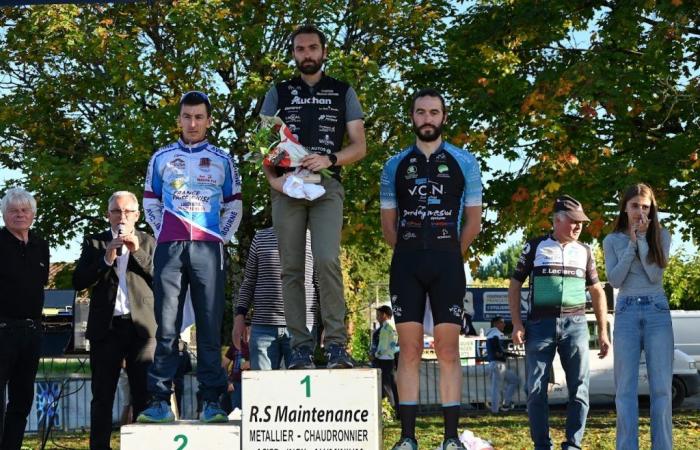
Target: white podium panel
x: 312, y: 410
x: 182, y: 435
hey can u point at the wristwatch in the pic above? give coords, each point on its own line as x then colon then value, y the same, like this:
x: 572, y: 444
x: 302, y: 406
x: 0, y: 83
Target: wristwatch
x: 332, y: 158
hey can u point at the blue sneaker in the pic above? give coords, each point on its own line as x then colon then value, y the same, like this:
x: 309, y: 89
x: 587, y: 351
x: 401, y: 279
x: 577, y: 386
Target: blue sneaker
x: 338, y: 357
x: 212, y: 413
x: 301, y: 358
x: 158, y: 411
x: 406, y: 444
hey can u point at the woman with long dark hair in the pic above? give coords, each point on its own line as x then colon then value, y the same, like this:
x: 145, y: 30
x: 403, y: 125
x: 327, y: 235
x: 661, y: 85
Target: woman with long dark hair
x: 636, y: 253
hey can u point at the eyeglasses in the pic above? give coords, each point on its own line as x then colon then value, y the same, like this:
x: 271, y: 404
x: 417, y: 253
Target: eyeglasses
x: 126, y: 212
x: 197, y: 94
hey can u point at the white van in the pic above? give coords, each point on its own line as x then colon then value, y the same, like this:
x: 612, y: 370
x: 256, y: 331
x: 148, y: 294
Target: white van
x: 686, y: 332
x: 476, y: 382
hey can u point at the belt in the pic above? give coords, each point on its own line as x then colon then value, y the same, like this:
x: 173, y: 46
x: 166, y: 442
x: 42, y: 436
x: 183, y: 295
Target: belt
x: 19, y: 323
x: 126, y: 316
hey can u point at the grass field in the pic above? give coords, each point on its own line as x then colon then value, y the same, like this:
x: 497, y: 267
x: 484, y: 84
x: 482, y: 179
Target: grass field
x: 507, y: 431
x: 510, y: 431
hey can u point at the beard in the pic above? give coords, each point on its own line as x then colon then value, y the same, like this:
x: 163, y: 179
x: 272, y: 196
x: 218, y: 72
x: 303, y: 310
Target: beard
x: 428, y: 133
x: 309, y: 66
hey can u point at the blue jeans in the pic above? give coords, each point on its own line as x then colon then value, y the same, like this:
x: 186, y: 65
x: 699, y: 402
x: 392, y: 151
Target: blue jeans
x: 543, y: 337
x: 199, y: 266
x: 643, y: 323
x: 235, y: 396
x: 500, y: 373
x: 269, y: 344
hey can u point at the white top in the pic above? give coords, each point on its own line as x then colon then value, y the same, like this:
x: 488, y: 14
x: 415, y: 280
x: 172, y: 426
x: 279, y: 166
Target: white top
x: 121, y: 306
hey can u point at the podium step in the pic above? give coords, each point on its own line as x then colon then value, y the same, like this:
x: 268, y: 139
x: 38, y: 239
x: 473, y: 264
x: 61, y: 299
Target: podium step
x: 312, y: 410
x: 182, y: 435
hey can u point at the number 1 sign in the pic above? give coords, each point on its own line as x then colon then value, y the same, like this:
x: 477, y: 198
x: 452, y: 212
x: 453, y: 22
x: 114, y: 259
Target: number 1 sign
x: 311, y: 409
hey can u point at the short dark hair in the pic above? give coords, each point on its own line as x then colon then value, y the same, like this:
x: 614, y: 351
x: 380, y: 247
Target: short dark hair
x: 386, y: 309
x: 307, y: 29
x: 495, y: 320
x: 428, y: 92
x: 195, y: 98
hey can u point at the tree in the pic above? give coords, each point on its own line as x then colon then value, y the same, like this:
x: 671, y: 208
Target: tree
x: 682, y: 282
x: 502, y: 265
x: 580, y: 97
x: 88, y: 92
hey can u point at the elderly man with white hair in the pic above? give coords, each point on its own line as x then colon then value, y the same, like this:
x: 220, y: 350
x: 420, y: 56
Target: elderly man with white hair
x: 24, y: 270
x: 117, y: 266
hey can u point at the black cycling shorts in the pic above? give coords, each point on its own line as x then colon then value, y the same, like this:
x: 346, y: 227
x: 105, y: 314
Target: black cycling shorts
x: 439, y: 274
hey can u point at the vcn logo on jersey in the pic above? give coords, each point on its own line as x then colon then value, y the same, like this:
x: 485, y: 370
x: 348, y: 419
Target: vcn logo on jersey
x: 204, y: 164
x: 433, y: 189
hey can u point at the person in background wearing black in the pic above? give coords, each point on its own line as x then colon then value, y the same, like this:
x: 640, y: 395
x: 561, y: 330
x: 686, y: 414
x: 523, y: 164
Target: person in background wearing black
x: 117, y: 266
x: 24, y: 271
x: 500, y: 373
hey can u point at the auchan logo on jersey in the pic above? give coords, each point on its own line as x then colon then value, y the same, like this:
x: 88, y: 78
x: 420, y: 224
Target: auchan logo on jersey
x: 311, y: 101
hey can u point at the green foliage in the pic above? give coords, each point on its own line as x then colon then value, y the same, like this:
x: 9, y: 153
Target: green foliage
x: 362, y: 268
x: 599, y: 258
x: 682, y: 282
x: 502, y: 265
x: 64, y: 278
x: 578, y: 97
x: 490, y: 282
x: 88, y: 92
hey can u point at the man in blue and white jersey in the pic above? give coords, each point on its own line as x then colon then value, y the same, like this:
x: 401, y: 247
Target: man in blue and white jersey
x: 192, y: 200
x: 560, y: 269
x: 431, y: 213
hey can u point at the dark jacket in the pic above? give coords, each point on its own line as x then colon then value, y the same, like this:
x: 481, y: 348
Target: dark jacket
x: 92, y: 272
x: 24, y: 271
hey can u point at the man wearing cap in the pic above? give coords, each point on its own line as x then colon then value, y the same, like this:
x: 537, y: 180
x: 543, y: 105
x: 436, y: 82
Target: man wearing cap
x: 192, y: 200
x: 560, y: 269
x: 384, y: 348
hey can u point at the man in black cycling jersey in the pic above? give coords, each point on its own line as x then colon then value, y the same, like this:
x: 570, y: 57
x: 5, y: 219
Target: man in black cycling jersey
x: 431, y: 213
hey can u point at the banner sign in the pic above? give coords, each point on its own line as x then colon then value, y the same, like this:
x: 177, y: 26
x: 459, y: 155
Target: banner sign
x: 311, y: 409
x: 483, y: 304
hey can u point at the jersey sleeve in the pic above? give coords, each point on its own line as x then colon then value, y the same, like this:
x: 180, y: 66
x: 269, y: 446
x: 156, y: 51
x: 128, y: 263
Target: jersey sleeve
x: 472, y: 182
x: 353, y: 109
x: 153, y: 196
x: 232, y: 204
x: 525, y: 262
x: 269, y: 106
x: 387, y: 186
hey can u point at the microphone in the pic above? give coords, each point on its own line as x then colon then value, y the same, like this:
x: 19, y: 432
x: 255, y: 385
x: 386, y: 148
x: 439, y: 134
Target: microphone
x: 120, y: 232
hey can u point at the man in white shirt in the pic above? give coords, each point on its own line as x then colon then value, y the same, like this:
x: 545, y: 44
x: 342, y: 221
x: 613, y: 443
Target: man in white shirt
x: 116, y: 265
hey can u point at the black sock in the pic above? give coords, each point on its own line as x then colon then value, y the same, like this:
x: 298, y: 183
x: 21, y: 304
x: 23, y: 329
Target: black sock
x: 408, y: 420
x: 451, y: 415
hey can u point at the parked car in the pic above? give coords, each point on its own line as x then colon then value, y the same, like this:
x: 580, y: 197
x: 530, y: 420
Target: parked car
x: 475, y: 385
x: 686, y: 332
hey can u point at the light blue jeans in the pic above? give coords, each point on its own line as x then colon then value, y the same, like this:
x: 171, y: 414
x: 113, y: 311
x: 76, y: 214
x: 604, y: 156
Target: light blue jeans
x: 643, y: 323
x: 500, y: 374
x: 543, y: 337
x: 269, y: 344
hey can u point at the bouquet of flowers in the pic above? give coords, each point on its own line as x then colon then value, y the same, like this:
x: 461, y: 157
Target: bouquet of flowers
x: 272, y: 144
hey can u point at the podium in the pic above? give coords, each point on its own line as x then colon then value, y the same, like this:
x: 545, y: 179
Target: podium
x: 182, y: 435
x: 283, y: 410
x: 312, y: 409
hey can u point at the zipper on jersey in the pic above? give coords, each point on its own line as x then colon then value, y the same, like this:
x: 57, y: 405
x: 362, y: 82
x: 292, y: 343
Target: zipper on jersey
x: 189, y: 181
x: 426, y: 219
